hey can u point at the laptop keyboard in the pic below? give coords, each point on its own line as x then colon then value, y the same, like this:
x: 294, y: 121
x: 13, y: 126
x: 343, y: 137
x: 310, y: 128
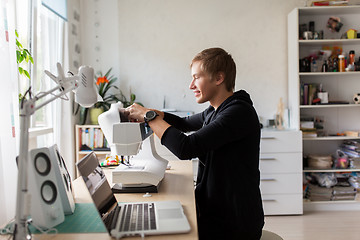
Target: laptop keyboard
x: 111, y: 219
x: 138, y: 217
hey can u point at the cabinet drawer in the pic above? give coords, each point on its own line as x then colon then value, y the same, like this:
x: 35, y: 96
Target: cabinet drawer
x: 282, y: 204
x: 280, y: 162
x: 281, y: 183
x: 280, y: 141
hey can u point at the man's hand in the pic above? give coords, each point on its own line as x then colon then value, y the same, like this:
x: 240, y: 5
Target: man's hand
x: 136, y: 112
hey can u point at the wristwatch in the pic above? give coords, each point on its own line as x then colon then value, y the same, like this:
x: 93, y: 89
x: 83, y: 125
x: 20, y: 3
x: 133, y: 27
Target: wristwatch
x: 150, y: 115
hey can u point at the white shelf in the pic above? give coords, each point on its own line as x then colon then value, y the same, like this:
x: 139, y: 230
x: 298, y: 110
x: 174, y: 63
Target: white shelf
x: 353, y: 73
x: 321, y: 42
x: 334, y: 138
x: 328, y: 10
x: 330, y: 170
x: 96, y: 152
x: 330, y: 106
x: 349, y: 205
x: 89, y: 126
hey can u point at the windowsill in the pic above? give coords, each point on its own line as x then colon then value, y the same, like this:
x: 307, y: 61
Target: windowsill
x: 38, y: 131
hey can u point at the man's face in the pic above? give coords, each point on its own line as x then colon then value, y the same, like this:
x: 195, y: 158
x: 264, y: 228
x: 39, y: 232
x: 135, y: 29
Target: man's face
x: 202, y: 85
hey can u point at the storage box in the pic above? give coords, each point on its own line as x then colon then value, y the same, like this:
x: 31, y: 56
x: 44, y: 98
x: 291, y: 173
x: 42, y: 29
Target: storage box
x: 351, y: 133
x: 320, y: 161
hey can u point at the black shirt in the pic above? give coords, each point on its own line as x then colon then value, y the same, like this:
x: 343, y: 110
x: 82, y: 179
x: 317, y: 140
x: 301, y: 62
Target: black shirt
x: 226, y: 141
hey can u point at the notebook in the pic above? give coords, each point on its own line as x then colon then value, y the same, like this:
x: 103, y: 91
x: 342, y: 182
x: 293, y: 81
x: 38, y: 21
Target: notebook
x: 130, y: 219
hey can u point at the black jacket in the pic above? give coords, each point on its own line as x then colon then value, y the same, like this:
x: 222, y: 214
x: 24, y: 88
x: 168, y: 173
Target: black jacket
x: 226, y: 141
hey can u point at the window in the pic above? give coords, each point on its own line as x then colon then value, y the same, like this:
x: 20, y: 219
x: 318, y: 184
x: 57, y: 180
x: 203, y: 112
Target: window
x: 42, y: 32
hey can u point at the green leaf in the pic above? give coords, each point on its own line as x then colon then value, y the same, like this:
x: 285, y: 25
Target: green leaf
x: 21, y: 70
x: 31, y: 59
x: 101, y: 89
x: 18, y: 56
x: 18, y: 44
x: 21, y: 58
x: 16, y: 33
x: 132, y: 97
x: 27, y: 74
x: 24, y: 54
x: 107, y: 73
x: 112, y: 78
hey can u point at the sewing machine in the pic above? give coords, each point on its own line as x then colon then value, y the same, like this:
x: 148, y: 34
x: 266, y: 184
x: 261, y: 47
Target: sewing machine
x: 141, y: 168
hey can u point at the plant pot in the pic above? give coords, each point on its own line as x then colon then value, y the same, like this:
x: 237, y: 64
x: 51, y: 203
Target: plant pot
x: 83, y: 115
x: 94, y: 114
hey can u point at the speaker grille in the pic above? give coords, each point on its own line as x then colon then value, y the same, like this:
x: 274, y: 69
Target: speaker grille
x: 48, y: 192
x: 42, y: 164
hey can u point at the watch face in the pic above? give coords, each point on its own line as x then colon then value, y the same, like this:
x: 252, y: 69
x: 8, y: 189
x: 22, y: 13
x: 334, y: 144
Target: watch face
x: 150, y: 114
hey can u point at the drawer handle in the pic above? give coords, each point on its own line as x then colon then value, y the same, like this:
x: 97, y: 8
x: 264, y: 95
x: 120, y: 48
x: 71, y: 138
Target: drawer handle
x: 268, y: 179
x: 269, y: 200
x: 268, y: 137
x: 267, y: 158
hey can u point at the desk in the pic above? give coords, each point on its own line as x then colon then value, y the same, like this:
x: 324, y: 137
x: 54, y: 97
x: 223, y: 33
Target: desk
x: 177, y: 185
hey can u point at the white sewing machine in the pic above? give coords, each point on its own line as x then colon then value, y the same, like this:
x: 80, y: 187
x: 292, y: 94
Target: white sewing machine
x: 142, y: 169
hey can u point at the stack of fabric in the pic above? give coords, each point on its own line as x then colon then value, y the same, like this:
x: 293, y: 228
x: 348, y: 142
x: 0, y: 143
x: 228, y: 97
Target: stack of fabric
x: 317, y: 193
x: 351, y: 148
x: 343, y: 193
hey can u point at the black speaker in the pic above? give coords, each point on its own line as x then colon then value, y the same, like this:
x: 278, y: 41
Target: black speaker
x: 46, y: 207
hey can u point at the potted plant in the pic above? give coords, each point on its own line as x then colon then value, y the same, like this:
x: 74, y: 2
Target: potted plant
x: 104, y: 83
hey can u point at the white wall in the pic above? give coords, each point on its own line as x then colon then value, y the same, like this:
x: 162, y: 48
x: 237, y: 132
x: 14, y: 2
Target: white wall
x: 151, y: 43
x: 99, y: 35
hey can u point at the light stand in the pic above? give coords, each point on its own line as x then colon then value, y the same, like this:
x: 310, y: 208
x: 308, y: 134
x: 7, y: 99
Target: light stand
x: 28, y: 108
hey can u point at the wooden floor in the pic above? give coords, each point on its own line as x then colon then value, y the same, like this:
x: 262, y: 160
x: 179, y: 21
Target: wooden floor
x: 329, y: 225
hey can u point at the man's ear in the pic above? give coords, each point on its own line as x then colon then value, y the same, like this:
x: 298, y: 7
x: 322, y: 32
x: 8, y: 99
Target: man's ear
x: 220, y: 77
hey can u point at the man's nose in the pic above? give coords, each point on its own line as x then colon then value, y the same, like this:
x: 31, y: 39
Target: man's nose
x: 191, y: 86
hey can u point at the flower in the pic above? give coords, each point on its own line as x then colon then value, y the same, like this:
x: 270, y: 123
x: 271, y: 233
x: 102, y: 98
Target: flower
x: 102, y: 80
x: 104, y: 83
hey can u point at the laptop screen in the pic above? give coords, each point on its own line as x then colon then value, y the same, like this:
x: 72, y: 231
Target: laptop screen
x: 96, y: 182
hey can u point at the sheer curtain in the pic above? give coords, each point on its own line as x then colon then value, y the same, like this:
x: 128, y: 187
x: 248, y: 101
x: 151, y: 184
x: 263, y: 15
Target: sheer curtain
x: 9, y: 111
x: 51, y: 47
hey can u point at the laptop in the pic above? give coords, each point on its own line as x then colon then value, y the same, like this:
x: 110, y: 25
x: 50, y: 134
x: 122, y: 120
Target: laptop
x: 130, y: 219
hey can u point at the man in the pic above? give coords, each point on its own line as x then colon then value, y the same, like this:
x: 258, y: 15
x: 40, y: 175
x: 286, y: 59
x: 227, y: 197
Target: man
x: 226, y: 141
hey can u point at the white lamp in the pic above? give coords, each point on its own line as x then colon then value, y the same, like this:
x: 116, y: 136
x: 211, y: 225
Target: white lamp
x: 85, y: 94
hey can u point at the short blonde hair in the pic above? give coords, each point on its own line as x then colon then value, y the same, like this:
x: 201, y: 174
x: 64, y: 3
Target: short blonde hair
x: 215, y: 60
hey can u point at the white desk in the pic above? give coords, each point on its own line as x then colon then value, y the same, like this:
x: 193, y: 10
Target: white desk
x: 177, y: 185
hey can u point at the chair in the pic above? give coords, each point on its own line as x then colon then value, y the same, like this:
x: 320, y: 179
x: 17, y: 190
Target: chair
x: 267, y: 235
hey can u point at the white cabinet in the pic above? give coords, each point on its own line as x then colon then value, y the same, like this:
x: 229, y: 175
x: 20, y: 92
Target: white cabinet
x: 341, y: 114
x: 281, y: 172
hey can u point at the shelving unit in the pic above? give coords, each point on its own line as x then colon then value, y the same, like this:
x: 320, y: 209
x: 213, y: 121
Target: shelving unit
x: 341, y: 86
x: 81, y: 153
